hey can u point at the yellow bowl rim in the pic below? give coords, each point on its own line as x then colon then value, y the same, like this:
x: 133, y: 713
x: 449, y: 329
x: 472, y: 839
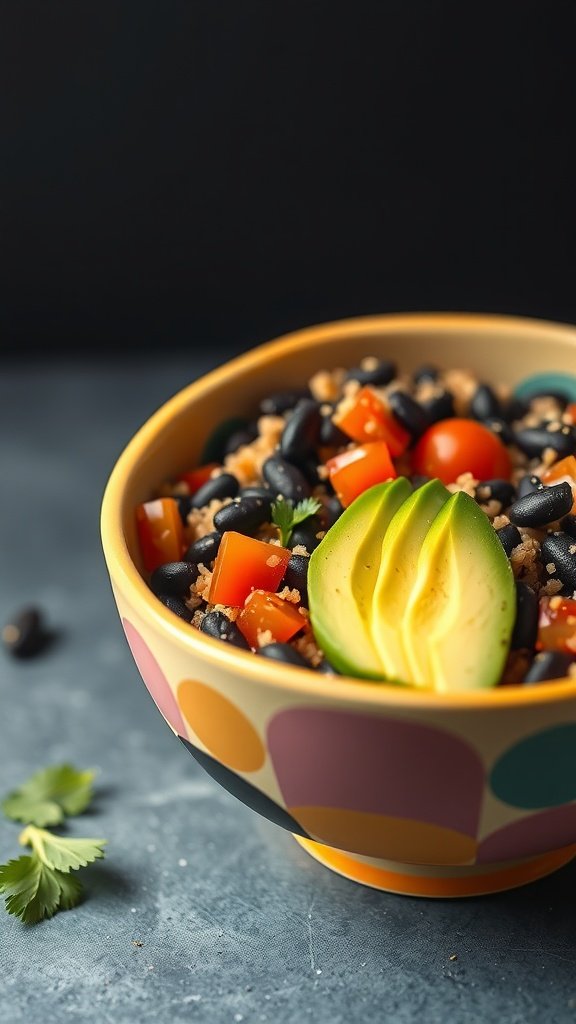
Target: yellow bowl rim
x: 341, y: 689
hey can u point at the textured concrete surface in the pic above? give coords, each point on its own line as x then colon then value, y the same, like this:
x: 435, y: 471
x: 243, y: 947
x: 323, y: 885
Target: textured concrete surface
x: 236, y: 922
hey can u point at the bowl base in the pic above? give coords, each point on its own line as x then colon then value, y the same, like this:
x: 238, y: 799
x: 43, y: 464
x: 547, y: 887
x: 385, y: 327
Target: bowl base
x: 439, y: 881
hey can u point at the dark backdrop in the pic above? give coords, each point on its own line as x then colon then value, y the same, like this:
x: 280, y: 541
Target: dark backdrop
x: 182, y: 172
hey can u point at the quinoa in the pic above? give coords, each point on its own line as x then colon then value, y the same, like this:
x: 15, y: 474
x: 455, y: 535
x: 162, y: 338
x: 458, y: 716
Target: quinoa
x: 246, y: 463
x: 201, y: 520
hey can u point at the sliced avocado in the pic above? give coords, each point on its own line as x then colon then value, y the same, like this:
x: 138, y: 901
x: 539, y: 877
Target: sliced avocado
x: 397, y: 575
x: 341, y: 577
x: 458, y: 622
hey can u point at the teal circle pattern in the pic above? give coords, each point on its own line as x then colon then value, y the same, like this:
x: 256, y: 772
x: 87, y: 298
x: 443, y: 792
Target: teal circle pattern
x: 539, y: 771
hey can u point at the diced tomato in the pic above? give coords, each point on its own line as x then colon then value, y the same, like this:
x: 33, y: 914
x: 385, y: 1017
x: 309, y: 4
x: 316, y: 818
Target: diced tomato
x: 370, y: 419
x: 357, y: 469
x: 456, y: 446
x: 160, y: 532
x: 557, y: 625
x: 265, y: 611
x: 570, y: 411
x: 564, y: 470
x: 244, y: 564
x: 195, y: 478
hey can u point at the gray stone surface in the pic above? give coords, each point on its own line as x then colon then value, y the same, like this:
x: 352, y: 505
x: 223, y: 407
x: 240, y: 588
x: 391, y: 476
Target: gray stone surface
x: 236, y: 922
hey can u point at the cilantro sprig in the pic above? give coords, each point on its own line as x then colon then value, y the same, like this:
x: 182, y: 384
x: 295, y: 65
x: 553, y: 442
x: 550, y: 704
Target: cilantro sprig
x: 38, y: 884
x: 286, y: 515
x: 49, y: 795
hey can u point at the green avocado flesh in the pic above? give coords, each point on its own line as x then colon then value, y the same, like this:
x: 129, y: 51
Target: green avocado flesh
x: 341, y: 577
x: 459, y: 619
x: 397, y: 575
x: 413, y: 588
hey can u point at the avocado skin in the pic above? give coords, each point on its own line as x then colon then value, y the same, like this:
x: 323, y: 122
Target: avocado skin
x: 342, y: 575
x: 459, y: 619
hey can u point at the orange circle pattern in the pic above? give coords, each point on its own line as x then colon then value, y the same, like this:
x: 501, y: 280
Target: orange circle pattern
x: 223, y: 729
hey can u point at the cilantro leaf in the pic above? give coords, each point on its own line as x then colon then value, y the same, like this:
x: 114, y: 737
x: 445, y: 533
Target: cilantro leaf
x: 286, y: 516
x: 31, y: 889
x: 71, y: 890
x: 49, y: 795
x: 61, y: 853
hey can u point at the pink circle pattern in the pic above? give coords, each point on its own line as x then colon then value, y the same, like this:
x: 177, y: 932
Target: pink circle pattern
x: 154, y: 678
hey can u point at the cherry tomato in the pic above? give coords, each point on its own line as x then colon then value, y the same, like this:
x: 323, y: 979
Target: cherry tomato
x: 456, y: 446
x: 557, y: 625
x: 370, y: 419
x: 195, y: 478
x: 357, y: 469
x: 160, y: 532
x: 570, y: 411
x: 265, y: 611
x: 244, y: 564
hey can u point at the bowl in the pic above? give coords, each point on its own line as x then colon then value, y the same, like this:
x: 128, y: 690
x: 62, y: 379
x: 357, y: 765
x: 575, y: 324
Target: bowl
x: 410, y: 791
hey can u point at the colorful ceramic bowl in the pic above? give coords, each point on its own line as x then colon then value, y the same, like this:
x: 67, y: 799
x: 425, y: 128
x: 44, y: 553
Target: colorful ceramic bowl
x: 420, y: 793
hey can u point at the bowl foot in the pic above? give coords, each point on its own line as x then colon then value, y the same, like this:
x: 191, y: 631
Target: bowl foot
x: 438, y: 881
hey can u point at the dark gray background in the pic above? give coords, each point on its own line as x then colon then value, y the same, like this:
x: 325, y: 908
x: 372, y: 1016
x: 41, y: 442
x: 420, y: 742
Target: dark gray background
x: 219, y: 171
x: 249, y: 928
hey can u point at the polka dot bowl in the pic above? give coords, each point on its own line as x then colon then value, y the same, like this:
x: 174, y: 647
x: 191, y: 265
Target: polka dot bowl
x: 410, y: 791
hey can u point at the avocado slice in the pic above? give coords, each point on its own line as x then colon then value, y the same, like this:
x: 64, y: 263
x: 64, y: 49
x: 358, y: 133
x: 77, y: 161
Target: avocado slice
x: 397, y: 575
x: 458, y: 621
x: 342, y: 574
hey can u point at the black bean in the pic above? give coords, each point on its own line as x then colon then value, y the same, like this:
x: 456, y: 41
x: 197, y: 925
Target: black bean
x: 281, y: 401
x: 425, y: 372
x: 285, y: 479
x: 244, y: 515
x: 568, y: 524
x: 382, y: 374
x: 301, y: 434
x: 174, y: 578
x: 526, y: 624
x: 484, y: 403
x: 548, y: 665
x: 509, y: 537
x: 263, y: 494
x: 285, y: 653
x: 25, y: 635
x: 176, y: 605
x: 184, y: 502
x: 499, y: 427
x: 534, y: 440
x: 331, y: 512
x: 255, y: 492
x: 296, y: 576
x: 204, y: 550
x: 305, y: 533
x: 330, y: 435
x: 220, y: 487
x: 409, y: 413
x: 514, y: 409
x: 310, y: 471
x: 418, y: 480
x: 439, y: 408
x: 219, y: 626
x: 529, y: 484
x: 555, y: 550
x: 241, y: 437
x: 326, y: 668
x: 542, y: 507
x: 496, y: 490
x: 215, y: 447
